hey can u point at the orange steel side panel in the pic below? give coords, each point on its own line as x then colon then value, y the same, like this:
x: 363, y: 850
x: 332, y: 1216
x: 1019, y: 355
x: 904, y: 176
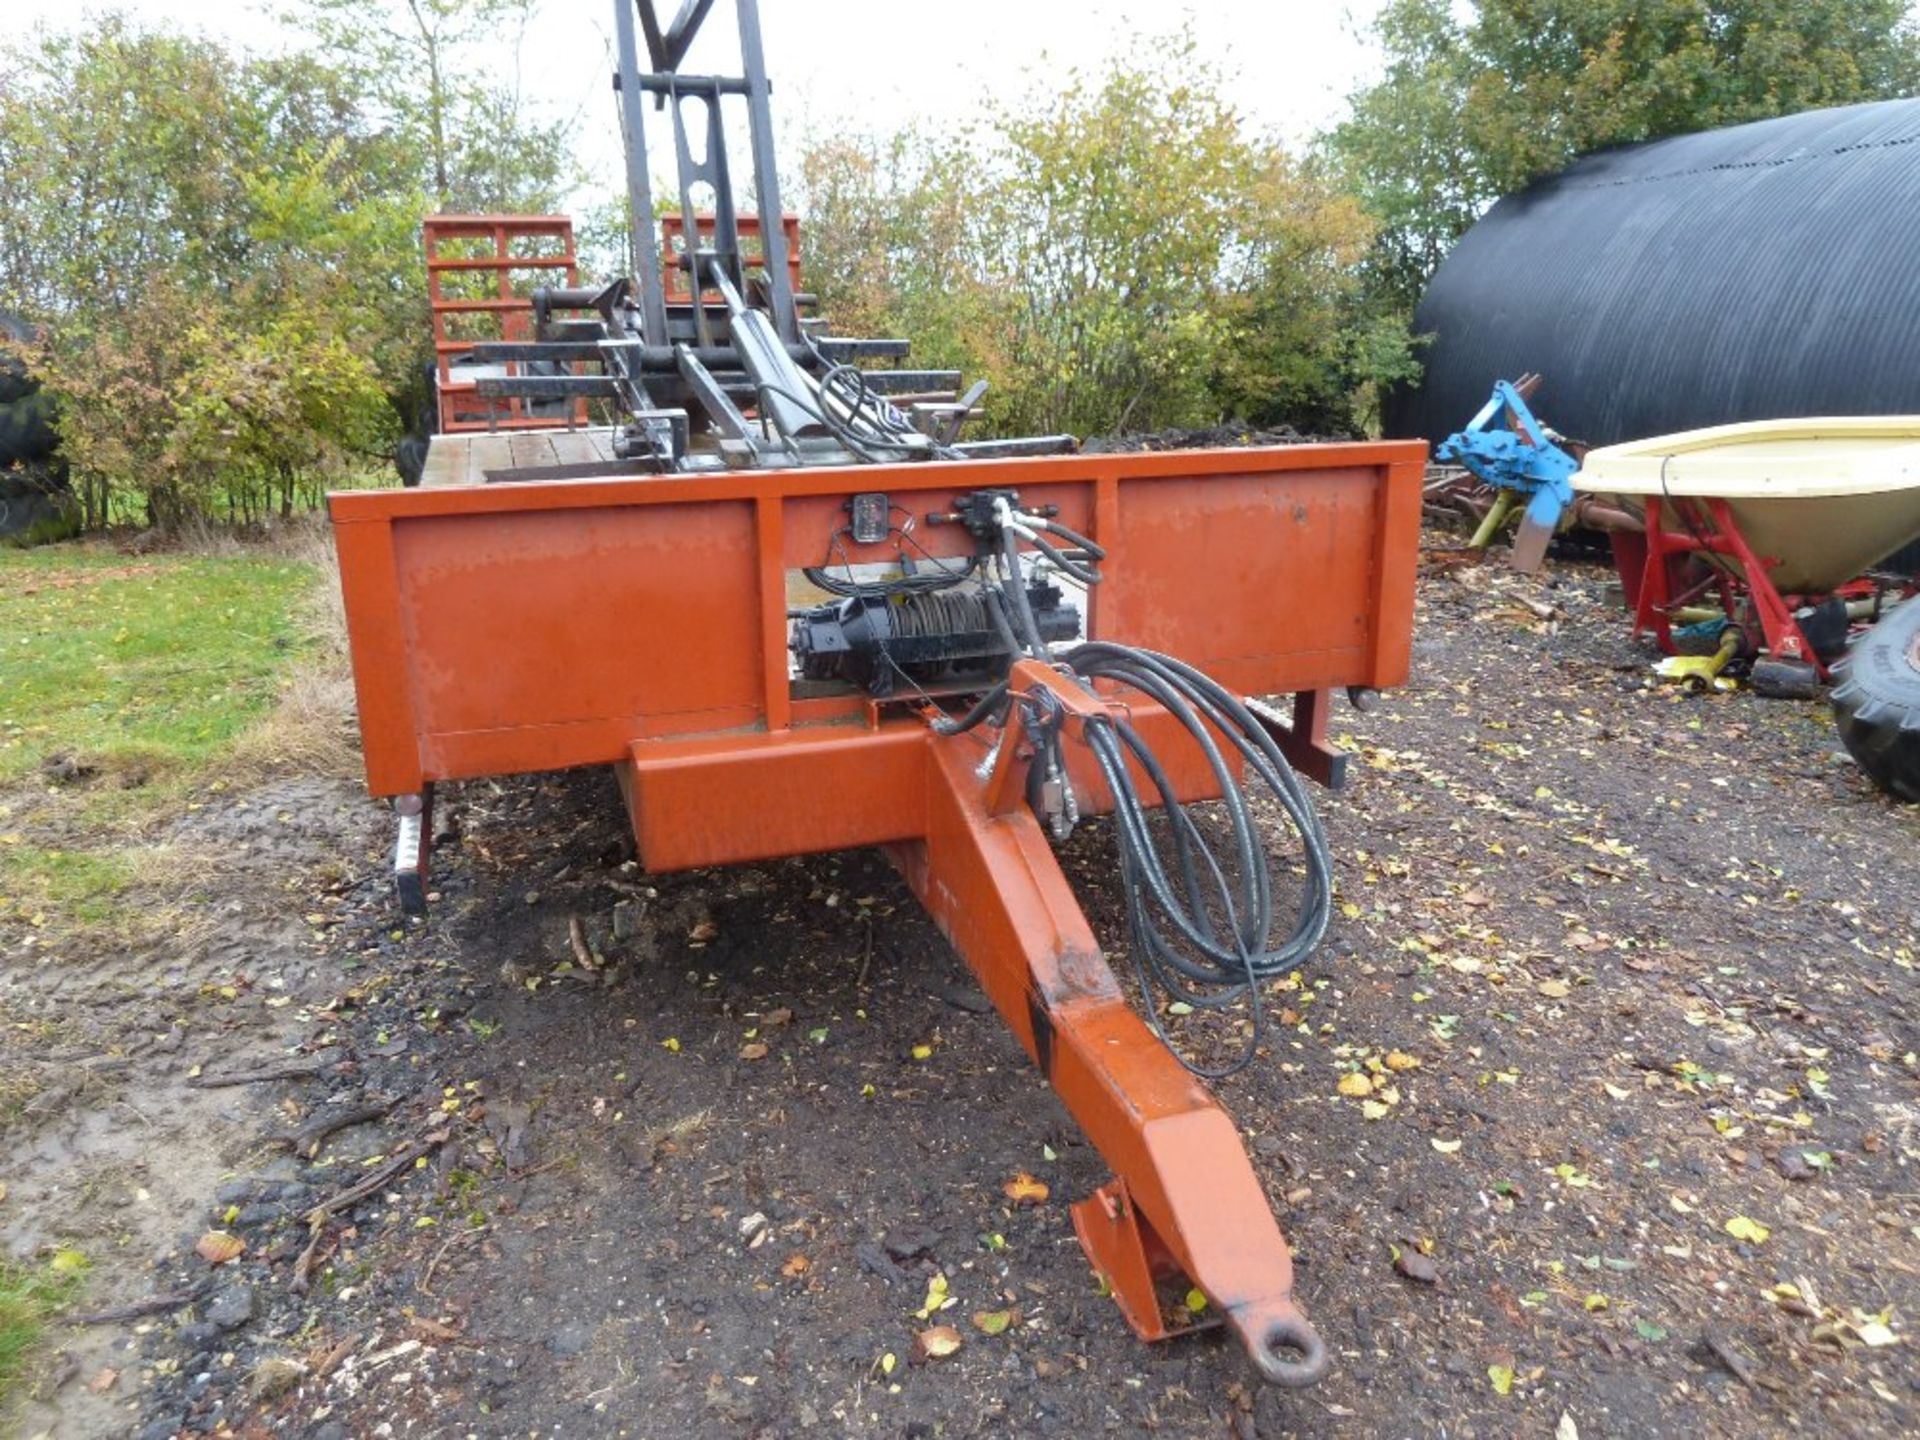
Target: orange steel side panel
x: 537, y: 626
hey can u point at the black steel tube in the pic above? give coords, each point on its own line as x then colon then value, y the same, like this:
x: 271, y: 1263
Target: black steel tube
x: 644, y: 254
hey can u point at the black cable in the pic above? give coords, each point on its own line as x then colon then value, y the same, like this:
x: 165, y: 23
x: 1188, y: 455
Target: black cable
x: 861, y: 446
x: 1201, y: 910
x: 1077, y: 540
x: 942, y: 577
x: 985, y: 706
x: 997, y: 613
x: 1013, y: 587
x: 1086, y: 575
x: 1174, y: 889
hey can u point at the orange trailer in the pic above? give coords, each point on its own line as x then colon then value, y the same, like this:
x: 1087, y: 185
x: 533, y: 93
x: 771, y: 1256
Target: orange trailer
x: 625, y: 594
x: 643, y: 623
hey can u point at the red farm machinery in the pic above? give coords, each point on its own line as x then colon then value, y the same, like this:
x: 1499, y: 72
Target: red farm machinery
x: 797, y: 612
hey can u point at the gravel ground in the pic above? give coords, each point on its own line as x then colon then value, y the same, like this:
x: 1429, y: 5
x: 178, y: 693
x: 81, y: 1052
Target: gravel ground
x: 1653, y: 1171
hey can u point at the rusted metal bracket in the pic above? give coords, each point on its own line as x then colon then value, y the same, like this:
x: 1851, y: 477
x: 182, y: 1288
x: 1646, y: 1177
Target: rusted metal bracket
x: 1134, y: 1262
x: 992, y: 884
x: 1304, y: 743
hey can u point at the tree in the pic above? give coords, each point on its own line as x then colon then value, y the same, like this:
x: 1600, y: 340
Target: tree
x: 117, y: 148
x: 1124, y: 255
x: 1471, y: 109
x: 892, y: 250
x: 433, y: 65
x: 193, y: 229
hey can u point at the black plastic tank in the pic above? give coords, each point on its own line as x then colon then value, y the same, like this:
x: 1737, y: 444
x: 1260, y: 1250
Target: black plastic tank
x: 1760, y: 271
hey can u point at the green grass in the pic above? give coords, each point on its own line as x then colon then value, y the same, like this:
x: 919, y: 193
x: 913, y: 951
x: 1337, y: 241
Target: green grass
x: 81, y: 884
x: 128, y: 661
x: 30, y: 1297
x: 143, y: 668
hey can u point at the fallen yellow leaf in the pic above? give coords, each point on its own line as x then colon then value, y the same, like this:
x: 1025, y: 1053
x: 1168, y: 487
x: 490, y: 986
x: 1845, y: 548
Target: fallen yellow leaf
x: 217, y: 1247
x: 1355, y: 1084
x: 992, y: 1322
x: 1401, y: 1062
x: 1502, y: 1378
x: 937, y: 1342
x: 1023, y: 1189
x: 937, y: 1297
x: 1741, y: 1228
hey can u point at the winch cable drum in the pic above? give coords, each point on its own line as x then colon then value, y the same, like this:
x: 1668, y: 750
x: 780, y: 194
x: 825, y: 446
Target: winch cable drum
x: 1200, y: 909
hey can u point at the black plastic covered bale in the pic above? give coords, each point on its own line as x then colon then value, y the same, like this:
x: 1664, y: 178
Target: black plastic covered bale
x: 26, y: 412
x: 1760, y: 271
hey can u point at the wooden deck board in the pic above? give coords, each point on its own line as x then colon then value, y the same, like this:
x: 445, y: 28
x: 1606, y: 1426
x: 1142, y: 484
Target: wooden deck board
x: 446, y: 462
x: 466, y: 459
x: 575, y: 447
x: 530, y: 448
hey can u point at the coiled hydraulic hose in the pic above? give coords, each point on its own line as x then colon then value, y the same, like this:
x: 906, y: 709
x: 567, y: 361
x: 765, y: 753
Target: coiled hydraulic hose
x: 1200, y: 912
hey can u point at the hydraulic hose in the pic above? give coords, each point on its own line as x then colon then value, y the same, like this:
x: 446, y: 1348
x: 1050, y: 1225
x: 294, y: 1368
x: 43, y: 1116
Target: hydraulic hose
x: 1200, y: 912
x: 1201, y: 908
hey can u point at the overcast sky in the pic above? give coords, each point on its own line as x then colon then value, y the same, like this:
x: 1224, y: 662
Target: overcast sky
x: 876, y: 64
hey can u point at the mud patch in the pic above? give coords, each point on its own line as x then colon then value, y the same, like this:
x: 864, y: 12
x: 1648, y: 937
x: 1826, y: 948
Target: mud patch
x: 116, y: 1152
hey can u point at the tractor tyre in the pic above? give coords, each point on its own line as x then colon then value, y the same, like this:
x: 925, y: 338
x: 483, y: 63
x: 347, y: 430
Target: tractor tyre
x: 1876, y: 702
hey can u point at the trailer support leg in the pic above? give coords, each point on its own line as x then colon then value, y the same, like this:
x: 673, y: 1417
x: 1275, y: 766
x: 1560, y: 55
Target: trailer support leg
x: 1133, y: 1259
x: 1186, y: 1195
x: 413, y: 852
x: 1305, y: 743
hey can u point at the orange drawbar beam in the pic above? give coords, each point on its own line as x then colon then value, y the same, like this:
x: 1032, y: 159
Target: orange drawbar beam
x: 1185, y: 1191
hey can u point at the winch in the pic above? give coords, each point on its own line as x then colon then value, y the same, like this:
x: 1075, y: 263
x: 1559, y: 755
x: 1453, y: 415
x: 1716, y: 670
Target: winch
x: 881, y: 642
